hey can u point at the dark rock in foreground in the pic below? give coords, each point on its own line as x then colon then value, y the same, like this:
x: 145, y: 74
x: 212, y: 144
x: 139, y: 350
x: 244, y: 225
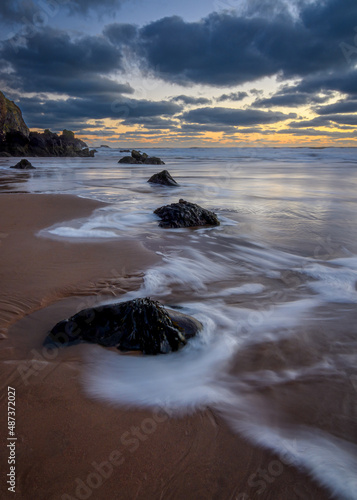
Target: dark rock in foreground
x: 138, y: 158
x: 185, y: 214
x: 164, y: 178
x: 24, y: 165
x: 137, y: 325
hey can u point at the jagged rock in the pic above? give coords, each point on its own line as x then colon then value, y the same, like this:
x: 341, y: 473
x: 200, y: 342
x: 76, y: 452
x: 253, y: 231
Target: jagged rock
x: 17, y: 140
x: 11, y: 118
x: 127, y: 159
x: 185, y: 214
x: 138, y: 158
x: 24, y: 165
x: 125, y: 150
x: 153, y: 160
x: 164, y: 178
x: 137, y: 325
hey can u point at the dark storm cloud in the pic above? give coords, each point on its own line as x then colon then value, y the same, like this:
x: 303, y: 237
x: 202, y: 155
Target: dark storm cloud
x: 86, y: 5
x: 20, y: 11
x: 234, y: 117
x: 55, y: 113
x: 134, y: 108
x: 342, y: 106
x: 343, y: 119
x: 55, y: 52
x: 344, y: 81
x: 191, y: 100
x: 327, y: 121
x: 226, y: 49
x: 226, y: 129
x: 121, y: 33
x: 234, y: 96
x: 223, y: 49
x: 151, y: 122
x: 50, y: 61
x: 16, y: 10
x: 190, y: 127
x: 289, y: 99
x: 323, y: 133
x: 93, y: 85
x: 214, y: 51
x: 319, y: 121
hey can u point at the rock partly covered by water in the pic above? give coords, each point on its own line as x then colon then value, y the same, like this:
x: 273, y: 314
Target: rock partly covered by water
x: 138, y: 158
x: 17, y: 140
x: 164, y: 178
x: 24, y: 165
x: 137, y: 325
x: 185, y: 214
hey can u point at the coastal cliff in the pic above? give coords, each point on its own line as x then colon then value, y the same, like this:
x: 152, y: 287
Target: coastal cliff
x: 11, y: 118
x: 17, y: 140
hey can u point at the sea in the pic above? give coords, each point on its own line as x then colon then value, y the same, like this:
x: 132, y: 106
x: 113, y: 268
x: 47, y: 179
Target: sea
x: 275, y: 286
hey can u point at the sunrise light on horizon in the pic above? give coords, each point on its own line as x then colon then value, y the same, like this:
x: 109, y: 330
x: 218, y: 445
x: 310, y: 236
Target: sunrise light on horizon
x: 167, y: 74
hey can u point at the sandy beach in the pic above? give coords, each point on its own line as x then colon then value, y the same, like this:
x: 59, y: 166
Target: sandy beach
x: 69, y: 446
x: 178, y: 250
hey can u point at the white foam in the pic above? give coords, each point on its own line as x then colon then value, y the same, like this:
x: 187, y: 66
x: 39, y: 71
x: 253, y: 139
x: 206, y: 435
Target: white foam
x: 192, y: 377
x: 71, y: 232
x: 328, y: 459
x: 182, y: 381
x: 334, y: 284
x: 247, y: 288
x: 268, y: 258
x: 198, y: 375
x: 104, y: 223
x: 194, y: 270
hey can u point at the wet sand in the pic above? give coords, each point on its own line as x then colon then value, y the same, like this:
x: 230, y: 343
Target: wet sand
x: 71, y: 447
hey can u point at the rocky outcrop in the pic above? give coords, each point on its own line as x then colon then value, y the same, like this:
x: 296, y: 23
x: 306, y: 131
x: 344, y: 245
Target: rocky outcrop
x: 163, y: 178
x: 45, y: 144
x: 11, y: 118
x: 137, y: 325
x: 24, y: 165
x: 128, y: 160
x: 138, y: 158
x: 17, y: 140
x: 185, y: 214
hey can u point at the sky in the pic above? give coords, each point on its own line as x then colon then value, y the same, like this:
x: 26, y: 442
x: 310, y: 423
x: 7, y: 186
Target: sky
x: 163, y: 73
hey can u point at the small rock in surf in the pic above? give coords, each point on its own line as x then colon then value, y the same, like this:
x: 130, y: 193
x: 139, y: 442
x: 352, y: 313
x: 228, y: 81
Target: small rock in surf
x: 163, y: 178
x: 137, y: 325
x: 185, y: 214
x: 138, y: 158
x: 24, y: 165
